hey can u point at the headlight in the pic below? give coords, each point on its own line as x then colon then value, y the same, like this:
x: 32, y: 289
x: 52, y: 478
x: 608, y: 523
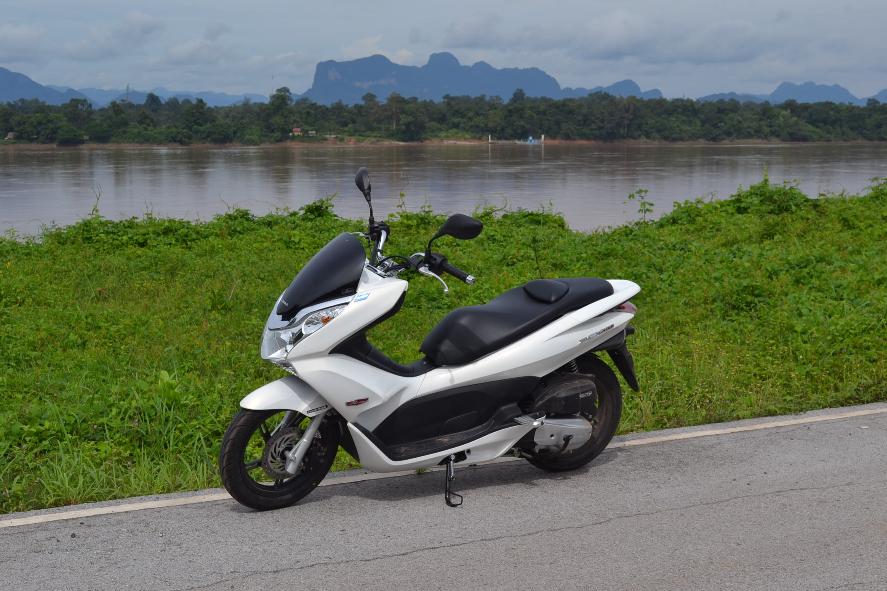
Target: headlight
x: 277, y: 342
x: 317, y: 320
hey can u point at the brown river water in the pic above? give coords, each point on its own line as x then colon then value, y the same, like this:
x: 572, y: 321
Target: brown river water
x: 587, y: 183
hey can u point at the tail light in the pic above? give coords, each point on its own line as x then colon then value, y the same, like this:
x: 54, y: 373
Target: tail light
x: 627, y: 307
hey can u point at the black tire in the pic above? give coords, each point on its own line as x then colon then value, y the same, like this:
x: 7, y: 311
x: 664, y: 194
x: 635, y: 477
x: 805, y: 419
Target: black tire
x: 607, y: 416
x: 239, y: 474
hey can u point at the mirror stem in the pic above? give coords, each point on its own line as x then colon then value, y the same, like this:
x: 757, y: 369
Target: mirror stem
x: 428, y: 249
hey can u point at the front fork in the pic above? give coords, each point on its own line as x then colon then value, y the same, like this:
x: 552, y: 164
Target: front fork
x: 295, y: 456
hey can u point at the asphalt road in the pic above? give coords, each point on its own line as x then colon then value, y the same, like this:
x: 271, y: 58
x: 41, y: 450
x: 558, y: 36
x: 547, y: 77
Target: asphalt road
x: 793, y: 507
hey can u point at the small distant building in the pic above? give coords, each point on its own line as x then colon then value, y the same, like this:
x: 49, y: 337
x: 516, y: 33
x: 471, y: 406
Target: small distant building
x: 312, y: 133
x: 10, y: 136
x: 297, y: 132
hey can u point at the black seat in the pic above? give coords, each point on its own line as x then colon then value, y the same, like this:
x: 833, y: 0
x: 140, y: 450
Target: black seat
x: 466, y: 334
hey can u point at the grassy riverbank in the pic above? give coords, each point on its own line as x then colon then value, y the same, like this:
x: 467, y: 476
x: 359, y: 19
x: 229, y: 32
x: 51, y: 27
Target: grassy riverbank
x: 125, y: 346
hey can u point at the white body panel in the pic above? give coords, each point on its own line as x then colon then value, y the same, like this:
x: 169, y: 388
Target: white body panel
x: 379, y: 295
x: 545, y: 350
x: 289, y: 393
x: 342, y: 379
x: 339, y: 379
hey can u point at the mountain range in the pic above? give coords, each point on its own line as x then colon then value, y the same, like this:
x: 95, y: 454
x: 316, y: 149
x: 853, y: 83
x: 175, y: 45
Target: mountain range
x: 443, y: 74
x: 15, y: 86
x: 101, y: 97
x: 808, y: 92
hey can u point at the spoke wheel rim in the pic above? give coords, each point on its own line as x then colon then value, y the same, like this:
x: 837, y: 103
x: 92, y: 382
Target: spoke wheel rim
x: 255, y: 450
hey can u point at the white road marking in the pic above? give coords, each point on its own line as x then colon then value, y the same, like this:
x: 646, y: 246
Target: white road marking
x: 122, y: 508
x: 744, y: 428
x: 222, y: 496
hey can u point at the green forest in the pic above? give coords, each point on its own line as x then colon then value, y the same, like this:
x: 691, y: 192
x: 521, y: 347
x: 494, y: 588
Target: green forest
x: 596, y: 117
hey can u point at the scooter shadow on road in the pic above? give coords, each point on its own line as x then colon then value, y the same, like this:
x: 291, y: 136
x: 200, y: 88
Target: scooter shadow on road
x: 430, y: 484
x: 468, y: 478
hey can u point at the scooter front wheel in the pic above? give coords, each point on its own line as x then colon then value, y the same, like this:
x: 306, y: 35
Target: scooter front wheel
x: 252, y: 460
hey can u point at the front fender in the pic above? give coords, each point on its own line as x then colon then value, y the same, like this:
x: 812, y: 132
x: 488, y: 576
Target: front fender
x: 289, y: 393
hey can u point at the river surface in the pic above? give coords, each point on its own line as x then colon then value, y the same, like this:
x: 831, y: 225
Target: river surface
x: 587, y: 183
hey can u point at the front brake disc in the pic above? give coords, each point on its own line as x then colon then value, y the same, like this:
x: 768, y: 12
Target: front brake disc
x: 274, y: 456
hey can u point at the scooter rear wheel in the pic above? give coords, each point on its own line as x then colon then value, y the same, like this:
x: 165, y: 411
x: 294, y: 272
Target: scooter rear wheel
x: 252, y: 458
x: 605, y: 420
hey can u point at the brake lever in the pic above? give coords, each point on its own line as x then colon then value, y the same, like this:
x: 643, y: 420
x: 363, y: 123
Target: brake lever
x: 424, y: 270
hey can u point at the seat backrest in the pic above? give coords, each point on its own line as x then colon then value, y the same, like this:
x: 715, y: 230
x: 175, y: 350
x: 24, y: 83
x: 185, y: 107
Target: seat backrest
x: 547, y: 291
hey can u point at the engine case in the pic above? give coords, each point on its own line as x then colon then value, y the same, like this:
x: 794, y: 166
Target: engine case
x: 564, y: 394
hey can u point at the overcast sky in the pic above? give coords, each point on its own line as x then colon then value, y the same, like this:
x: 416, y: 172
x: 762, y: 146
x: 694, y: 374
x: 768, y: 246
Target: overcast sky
x: 685, y: 48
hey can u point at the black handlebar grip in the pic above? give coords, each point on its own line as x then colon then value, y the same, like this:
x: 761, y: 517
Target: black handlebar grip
x: 457, y: 273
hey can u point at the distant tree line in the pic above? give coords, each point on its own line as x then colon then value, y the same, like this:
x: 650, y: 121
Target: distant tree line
x: 595, y: 117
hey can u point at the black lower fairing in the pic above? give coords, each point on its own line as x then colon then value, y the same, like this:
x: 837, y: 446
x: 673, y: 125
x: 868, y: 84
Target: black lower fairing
x: 446, y: 419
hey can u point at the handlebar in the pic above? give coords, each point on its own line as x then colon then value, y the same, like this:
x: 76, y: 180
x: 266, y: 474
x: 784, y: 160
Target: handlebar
x: 433, y: 265
x: 456, y: 272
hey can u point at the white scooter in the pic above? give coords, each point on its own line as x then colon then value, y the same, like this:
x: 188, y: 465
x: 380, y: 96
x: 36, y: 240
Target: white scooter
x: 516, y: 375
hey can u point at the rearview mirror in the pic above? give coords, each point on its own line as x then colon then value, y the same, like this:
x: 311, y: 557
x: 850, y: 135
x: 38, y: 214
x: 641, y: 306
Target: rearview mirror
x: 362, y: 180
x: 461, y: 226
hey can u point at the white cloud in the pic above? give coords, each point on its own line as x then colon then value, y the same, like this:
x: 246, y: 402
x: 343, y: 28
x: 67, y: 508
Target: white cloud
x: 214, y: 32
x: 402, y: 56
x: 288, y: 60
x: 362, y: 47
x: 134, y: 31
x: 21, y: 43
x: 478, y: 32
x: 417, y: 36
x: 373, y: 45
x: 209, y: 49
x: 692, y: 47
x: 195, y: 65
x: 620, y: 35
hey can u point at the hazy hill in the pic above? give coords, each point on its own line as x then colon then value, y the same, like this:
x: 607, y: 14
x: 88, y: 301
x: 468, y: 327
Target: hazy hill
x: 808, y: 92
x: 734, y: 96
x: 348, y: 81
x: 621, y: 88
x: 101, y: 97
x: 15, y: 86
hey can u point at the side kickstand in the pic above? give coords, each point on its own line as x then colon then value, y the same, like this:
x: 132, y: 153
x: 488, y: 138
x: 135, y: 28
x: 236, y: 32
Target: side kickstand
x: 452, y: 499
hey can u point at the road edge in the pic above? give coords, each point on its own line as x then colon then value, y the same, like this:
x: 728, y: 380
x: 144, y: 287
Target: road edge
x: 132, y: 504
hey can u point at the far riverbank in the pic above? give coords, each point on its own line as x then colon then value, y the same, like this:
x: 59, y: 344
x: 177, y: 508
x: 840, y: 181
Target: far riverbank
x: 357, y: 142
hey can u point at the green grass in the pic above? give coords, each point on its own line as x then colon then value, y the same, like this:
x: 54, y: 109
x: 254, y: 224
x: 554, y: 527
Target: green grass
x: 125, y: 346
